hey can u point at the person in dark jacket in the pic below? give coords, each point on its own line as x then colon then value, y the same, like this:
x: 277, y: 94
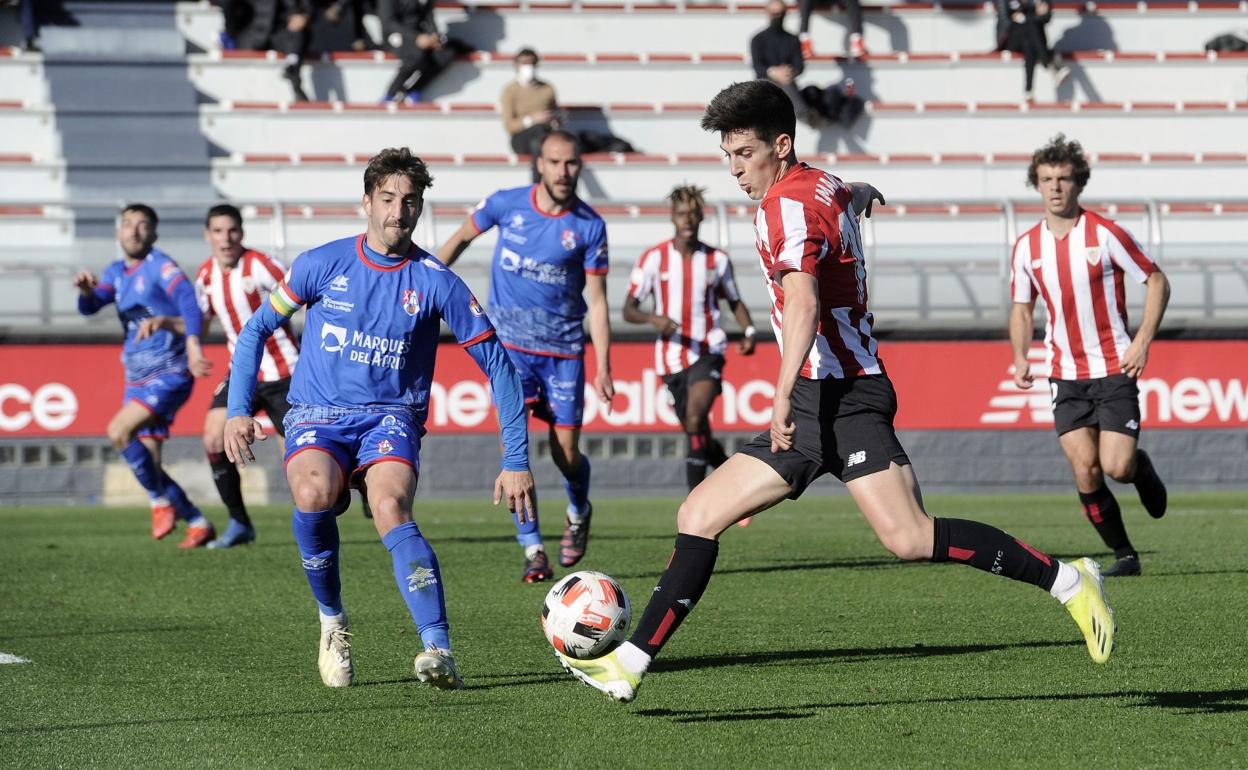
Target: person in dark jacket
x: 283, y: 26
x: 412, y: 35
x: 1020, y: 29
x: 777, y: 56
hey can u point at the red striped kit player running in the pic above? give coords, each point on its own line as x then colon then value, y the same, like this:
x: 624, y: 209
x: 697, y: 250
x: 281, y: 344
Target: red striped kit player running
x: 833, y: 407
x: 231, y: 285
x: 1079, y: 261
x: 688, y: 279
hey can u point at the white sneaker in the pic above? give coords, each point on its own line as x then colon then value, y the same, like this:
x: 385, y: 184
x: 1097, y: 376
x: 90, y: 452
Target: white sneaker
x: 436, y: 666
x: 334, y: 658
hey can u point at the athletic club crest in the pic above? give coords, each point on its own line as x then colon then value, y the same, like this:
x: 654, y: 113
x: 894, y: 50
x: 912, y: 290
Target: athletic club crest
x: 1094, y: 255
x: 385, y: 447
x: 568, y: 239
x: 411, y: 301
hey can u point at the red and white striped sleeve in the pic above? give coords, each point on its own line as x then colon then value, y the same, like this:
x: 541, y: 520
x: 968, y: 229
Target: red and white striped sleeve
x: 1125, y: 251
x: 725, y: 280
x: 643, y: 280
x: 267, y: 272
x: 794, y: 241
x: 1022, y: 290
x: 202, y: 276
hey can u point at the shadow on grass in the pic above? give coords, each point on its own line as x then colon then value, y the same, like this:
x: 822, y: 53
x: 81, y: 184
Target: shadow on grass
x: 469, y: 539
x: 850, y: 654
x: 1187, y: 702
x: 790, y: 566
x: 473, y: 683
x: 106, y: 632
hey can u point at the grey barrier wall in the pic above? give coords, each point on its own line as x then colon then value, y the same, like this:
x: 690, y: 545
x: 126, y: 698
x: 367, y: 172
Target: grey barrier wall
x: 87, y: 472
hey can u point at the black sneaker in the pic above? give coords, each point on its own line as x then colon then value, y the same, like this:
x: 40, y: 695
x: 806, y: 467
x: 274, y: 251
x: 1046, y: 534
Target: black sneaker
x: 1152, y: 491
x: 1125, y: 566
x: 575, y: 540
x: 537, y: 569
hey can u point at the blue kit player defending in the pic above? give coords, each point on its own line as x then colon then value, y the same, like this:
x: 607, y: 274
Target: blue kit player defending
x: 359, y: 399
x: 161, y: 363
x: 551, y: 251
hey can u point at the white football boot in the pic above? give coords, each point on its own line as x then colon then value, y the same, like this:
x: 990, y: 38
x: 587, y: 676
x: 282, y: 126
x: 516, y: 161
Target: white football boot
x: 334, y: 656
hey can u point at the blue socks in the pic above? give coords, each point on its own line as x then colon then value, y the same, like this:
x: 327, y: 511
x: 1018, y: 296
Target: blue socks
x: 577, y: 487
x: 420, y: 582
x: 181, y: 503
x: 144, y: 467
x: 528, y: 534
x: 316, y: 533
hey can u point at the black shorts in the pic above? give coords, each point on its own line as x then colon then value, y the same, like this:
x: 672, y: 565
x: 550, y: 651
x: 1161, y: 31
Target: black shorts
x: 269, y: 397
x: 844, y: 427
x: 1110, y: 403
x: 707, y: 367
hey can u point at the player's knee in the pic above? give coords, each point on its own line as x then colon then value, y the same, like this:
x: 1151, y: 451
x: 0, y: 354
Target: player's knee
x: 1087, y: 473
x: 907, y: 543
x: 118, y: 435
x: 214, y: 442
x: 694, y: 423
x: 694, y: 519
x: 1118, y: 469
x: 312, y: 493
x: 389, y: 511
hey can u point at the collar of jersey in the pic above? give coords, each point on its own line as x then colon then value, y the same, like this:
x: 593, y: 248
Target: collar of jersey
x: 362, y: 252
x: 533, y: 203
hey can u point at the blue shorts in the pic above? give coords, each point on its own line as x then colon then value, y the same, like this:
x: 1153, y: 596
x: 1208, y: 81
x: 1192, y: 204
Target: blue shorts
x: 355, y: 438
x: 163, y: 396
x: 554, y: 388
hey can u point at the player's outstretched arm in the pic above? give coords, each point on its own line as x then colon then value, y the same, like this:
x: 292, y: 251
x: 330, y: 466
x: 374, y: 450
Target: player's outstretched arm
x: 1021, y: 331
x: 865, y: 196
x: 515, y: 482
x: 92, y: 296
x: 458, y: 242
x: 635, y: 315
x: 192, y: 326
x: 244, y: 367
x: 600, y: 334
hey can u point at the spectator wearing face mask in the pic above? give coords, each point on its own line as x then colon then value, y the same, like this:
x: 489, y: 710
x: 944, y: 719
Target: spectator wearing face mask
x: 530, y: 109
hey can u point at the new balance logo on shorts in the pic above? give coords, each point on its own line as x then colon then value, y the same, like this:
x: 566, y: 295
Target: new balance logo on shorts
x: 1133, y: 424
x: 857, y: 458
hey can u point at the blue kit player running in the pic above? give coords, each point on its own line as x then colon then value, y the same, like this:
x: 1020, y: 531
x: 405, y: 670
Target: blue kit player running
x: 551, y: 250
x: 359, y: 399
x: 160, y: 362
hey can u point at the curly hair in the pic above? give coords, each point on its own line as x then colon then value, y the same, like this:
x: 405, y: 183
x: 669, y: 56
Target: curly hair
x: 688, y: 194
x: 398, y: 161
x: 1060, y: 151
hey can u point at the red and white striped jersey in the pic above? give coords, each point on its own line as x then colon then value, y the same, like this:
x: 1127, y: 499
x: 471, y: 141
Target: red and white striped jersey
x: 236, y: 294
x: 805, y: 223
x: 1081, y: 279
x: 686, y: 290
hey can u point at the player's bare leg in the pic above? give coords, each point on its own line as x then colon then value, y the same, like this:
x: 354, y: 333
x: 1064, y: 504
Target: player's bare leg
x: 1084, y: 448
x: 143, y: 457
x: 565, y: 450
x: 316, y: 480
x: 391, y: 488
x: 229, y: 483
x: 889, y: 502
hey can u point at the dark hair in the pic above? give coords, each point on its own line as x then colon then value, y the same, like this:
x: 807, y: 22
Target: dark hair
x: 566, y: 136
x: 224, y: 210
x: 1060, y: 151
x: 398, y: 161
x: 527, y: 52
x: 145, y: 210
x: 687, y: 193
x: 754, y: 105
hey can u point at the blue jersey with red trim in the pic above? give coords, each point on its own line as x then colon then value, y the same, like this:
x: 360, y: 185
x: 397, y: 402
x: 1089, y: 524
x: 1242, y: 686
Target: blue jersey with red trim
x: 145, y: 290
x: 540, y: 262
x: 371, y: 333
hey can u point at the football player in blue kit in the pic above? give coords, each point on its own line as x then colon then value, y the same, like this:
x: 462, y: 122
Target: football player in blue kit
x: 551, y: 252
x: 160, y: 362
x: 359, y: 399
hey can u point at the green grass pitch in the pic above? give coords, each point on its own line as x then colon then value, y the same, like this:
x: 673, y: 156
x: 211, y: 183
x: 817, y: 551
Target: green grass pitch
x: 812, y: 648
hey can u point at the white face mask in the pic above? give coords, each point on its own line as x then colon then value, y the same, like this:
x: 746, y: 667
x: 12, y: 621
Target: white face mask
x: 526, y: 74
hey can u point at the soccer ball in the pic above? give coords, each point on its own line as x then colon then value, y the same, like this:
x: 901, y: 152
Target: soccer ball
x: 586, y: 614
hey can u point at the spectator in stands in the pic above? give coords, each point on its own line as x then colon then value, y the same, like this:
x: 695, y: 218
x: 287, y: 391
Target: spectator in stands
x: 412, y: 35
x: 29, y: 19
x: 777, y: 56
x: 853, y: 10
x: 283, y: 26
x: 1020, y: 29
x: 335, y: 10
x: 530, y: 109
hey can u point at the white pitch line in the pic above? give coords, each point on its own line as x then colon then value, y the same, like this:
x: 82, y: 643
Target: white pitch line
x: 7, y: 658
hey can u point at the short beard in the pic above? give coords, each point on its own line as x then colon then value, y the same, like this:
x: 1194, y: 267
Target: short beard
x: 555, y: 198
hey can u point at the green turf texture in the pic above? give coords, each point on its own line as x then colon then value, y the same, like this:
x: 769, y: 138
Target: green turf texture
x: 813, y: 647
